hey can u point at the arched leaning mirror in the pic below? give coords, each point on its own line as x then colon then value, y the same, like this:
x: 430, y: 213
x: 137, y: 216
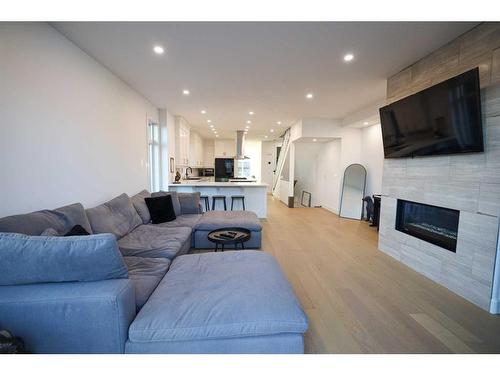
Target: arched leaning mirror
x: 353, y: 191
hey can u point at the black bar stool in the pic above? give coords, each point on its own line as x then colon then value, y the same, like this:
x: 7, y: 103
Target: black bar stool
x: 234, y: 197
x: 207, y: 202
x: 215, y: 198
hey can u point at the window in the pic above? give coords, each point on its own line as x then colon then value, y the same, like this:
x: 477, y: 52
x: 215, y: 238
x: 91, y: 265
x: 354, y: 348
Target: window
x: 154, y: 155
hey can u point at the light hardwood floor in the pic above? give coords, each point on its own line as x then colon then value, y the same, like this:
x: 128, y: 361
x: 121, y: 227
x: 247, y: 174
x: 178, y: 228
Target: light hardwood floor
x: 360, y: 300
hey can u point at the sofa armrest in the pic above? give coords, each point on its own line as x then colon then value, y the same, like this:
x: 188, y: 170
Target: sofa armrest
x: 71, y: 317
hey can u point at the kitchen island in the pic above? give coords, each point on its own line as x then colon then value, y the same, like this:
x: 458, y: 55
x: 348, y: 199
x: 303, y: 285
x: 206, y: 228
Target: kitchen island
x: 254, y: 193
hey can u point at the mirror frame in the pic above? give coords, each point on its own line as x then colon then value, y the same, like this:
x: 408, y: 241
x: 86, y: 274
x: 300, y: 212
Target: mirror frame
x: 342, y: 192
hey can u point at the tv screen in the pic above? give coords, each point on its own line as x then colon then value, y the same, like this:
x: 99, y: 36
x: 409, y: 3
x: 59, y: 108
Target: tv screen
x: 443, y: 119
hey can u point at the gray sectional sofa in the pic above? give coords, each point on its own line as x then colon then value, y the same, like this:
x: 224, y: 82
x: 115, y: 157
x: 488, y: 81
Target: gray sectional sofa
x: 129, y: 288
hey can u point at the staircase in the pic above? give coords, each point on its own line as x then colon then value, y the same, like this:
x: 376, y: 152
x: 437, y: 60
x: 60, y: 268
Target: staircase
x: 281, y: 161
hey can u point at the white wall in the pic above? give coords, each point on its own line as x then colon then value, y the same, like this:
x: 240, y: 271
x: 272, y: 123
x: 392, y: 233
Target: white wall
x: 318, y: 170
x: 329, y: 175
x: 70, y: 130
x: 372, y: 157
x: 268, y: 162
x: 306, y: 169
x: 253, y: 149
x: 342, y: 149
x: 353, y: 145
x: 167, y: 147
x: 170, y: 122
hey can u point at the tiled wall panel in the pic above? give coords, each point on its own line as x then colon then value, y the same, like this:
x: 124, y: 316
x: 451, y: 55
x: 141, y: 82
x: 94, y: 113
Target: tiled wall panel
x: 469, y: 183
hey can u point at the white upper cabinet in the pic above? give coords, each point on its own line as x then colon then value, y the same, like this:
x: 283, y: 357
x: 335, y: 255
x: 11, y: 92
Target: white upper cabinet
x: 195, y: 150
x: 208, y: 153
x: 191, y: 149
x: 182, y: 144
x: 225, y: 148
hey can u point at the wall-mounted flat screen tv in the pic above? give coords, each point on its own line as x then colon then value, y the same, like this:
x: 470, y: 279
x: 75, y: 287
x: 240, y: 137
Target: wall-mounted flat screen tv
x: 443, y: 119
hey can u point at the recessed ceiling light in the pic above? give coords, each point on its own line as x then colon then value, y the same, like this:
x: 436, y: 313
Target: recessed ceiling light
x: 216, y: 136
x: 215, y: 132
x: 203, y: 112
x: 348, y: 57
x: 249, y: 122
x: 251, y: 113
x: 265, y: 136
x: 272, y: 130
x: 309, y: 95
x: 209, y: 121
x: 278, y: 122
x: 365, y: 123
x: 159, y: 50
x: 185, y: 92
x: 247, y: 127
x: 314, y: 139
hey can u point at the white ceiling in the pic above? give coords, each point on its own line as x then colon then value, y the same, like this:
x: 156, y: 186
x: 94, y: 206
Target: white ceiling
x: 233, y: 68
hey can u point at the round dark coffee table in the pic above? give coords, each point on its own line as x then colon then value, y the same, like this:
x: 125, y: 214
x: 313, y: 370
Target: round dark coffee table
x: 234, y: 237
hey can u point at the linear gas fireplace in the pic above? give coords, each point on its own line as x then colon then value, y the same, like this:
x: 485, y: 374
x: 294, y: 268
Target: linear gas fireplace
x: 436, y: 225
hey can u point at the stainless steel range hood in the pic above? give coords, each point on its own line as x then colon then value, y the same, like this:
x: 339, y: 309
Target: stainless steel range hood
x: 240, y: 145
x: 241, y: 162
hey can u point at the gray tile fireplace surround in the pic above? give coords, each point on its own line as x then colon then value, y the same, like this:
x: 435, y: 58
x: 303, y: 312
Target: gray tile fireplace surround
x: 468, y: 183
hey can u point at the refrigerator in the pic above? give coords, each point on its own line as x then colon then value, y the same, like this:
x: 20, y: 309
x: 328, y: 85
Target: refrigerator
x: 224, y: 169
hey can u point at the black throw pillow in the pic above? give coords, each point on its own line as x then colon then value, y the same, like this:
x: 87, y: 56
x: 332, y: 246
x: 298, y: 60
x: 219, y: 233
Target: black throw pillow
x: 77, y: 230
x: 161, y: 209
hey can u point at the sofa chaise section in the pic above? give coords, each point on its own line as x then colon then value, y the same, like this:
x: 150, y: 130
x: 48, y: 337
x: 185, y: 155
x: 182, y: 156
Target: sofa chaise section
x: 232, y: 302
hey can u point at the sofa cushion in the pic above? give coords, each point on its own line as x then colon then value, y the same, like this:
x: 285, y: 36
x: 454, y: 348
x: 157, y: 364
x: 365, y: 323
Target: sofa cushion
x: 146, y: 273
x: 175, y: 200
x: 140, y: 206
x: 182, y: 221
x: 75, y: 215
x: 117, y: 216
x: 39, y: 259
x: 222, y: 219
x: 220, y: 295
x: 190, y: 203
x: 61, y: 219
x: 151, y: 241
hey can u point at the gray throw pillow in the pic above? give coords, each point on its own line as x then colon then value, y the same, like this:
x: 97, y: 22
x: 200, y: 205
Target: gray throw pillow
x: 175, y: 200
x: 140, y: 205
x: 61, y: 219
x: 34, y: 259
x: 117, y: 216
x: 190, y: 203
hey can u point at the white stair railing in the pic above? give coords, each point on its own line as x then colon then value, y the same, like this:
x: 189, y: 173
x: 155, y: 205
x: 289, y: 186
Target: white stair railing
x: 281, y: 160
